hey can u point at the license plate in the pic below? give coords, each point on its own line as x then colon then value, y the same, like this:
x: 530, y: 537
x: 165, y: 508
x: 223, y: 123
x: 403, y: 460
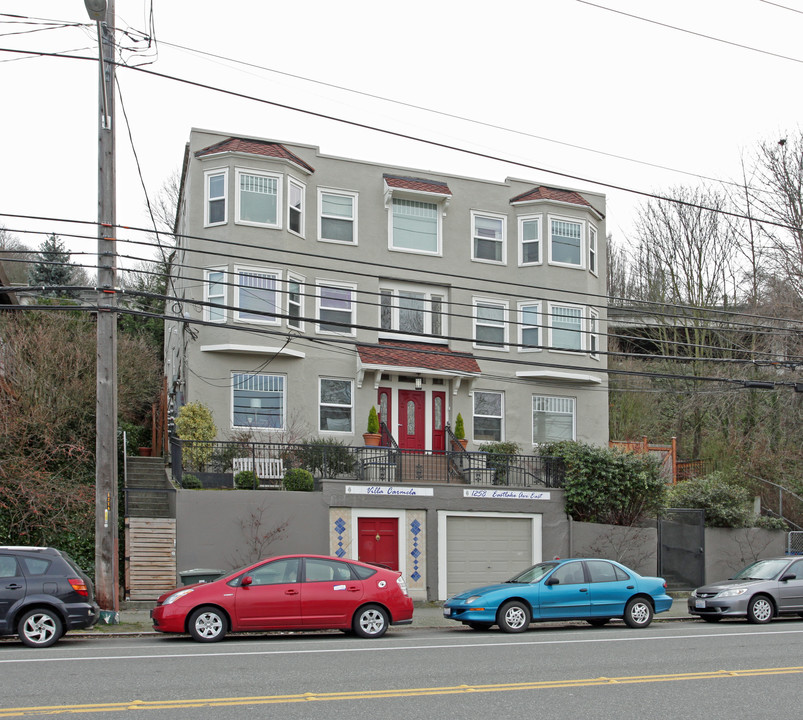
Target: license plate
x: 699, y: 603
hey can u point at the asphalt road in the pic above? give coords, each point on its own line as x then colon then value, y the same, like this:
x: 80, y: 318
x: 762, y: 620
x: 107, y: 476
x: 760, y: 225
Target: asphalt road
x: 675, y: 669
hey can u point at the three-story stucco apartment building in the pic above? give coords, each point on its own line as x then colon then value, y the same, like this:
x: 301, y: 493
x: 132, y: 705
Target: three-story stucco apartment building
x: 317, y: 287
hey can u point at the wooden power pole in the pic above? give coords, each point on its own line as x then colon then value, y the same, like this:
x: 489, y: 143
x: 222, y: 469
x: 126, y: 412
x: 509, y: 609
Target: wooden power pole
x: 106, y: 535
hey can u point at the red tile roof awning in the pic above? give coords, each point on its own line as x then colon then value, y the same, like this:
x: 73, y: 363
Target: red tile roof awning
x: 555, y: 194
x: 417, y: 184
x: 255, y: 147
x: 424, y: 356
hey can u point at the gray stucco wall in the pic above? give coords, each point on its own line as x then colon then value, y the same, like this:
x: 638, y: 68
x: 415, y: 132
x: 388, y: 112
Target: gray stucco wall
x: 729, y: 550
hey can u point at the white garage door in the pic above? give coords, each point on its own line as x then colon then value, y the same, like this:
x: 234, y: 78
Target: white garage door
x: 485, y: 550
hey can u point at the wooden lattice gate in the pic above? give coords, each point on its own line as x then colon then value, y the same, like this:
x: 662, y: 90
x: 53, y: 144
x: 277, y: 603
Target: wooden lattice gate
x: 150, y: 557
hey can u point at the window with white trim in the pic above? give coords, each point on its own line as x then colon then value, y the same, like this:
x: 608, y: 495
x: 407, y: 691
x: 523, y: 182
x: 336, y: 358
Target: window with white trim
x: 258, y: 401
x: 530, y: 240
x: 529, y: 326
x: 335, y: 405
x: 592, y: 249
x: 216, y: 186
x: 215, y: 295
x: 257, y: 296
x: 488, y: 416
x: 565, y: 242
x: 488, y: 237
x: 566, y: 327
x: 335, y: 309
x: 412, y: 309
x: 593, y: 335
x: 258, y: 198
x: 295, y: 206
x: 553, y: 419
x: 338, y: 216
x: 490, y: 324
x: 415, y: 226
x: 295, y: 302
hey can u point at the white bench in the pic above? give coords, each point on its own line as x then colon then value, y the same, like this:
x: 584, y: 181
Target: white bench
x: 263, y: 468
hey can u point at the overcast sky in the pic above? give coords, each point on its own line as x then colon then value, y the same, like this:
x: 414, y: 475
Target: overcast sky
x: 566, y: 86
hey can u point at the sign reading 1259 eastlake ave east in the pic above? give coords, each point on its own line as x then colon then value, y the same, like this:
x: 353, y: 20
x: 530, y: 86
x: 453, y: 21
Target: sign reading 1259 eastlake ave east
x: 491, y: 494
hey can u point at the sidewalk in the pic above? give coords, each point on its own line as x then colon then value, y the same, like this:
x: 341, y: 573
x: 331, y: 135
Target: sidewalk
x: 135, y: 618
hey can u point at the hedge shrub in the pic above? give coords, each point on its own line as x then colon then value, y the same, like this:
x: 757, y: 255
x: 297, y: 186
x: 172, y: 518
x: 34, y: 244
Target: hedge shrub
x: 298, y: 479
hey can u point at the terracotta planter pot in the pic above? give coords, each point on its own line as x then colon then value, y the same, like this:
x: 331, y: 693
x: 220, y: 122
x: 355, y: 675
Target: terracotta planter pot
x: 372, y: 438
x: 463, y: 442
x: 144, y: 452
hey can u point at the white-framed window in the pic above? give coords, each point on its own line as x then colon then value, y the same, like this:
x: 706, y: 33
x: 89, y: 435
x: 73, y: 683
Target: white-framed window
x: 258, y: 400
x: 593, y: 333
x: 259, y: 198
x: 566, y: 327
x: 553, y: 419
x: 530, y: 240
x: 338, y: 216
x: 257, y: 295
x: 215, y: 294
x: 335, y: 405
x: 529, y: 326
x: 216, y: 192
x: 413, y: 309
x: 335, y: 308
x: 566, y: 242
x: 415, y: 226
x: 296, y: 193
x: 488, y: 237
x: 295, y: 301
x: 488, y: 416
x: 490, y: 324
x: 592, y: 249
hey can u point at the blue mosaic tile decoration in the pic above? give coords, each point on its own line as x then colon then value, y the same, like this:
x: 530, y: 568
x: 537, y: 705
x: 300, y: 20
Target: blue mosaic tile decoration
x: 340, y: 527
x: 415, y: 529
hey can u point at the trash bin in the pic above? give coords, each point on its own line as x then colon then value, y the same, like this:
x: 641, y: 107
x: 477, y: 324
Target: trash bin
x: 199, y: 575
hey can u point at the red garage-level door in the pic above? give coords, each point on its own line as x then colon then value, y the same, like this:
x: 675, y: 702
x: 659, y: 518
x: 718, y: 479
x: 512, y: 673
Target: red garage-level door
x: 379, y: 541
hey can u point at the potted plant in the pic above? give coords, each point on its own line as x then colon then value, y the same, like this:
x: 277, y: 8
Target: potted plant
x: 460, y: 431
x: 372, y: 436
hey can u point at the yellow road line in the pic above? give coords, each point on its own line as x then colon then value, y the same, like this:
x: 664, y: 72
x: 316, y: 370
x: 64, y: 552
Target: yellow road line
x: 390, y: 693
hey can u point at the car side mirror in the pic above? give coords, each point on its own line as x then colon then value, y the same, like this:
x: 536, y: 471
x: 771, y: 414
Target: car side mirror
x: 789, y: 576
x: 246, y: 581
x: 553, y: 581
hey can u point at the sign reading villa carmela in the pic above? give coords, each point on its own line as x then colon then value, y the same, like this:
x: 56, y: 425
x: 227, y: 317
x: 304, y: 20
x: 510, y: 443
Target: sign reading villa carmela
x: 506, y: 494
x: 387, y: 490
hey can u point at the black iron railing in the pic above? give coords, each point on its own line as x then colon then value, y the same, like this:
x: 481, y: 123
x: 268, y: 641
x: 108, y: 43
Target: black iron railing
x: 218, y: 464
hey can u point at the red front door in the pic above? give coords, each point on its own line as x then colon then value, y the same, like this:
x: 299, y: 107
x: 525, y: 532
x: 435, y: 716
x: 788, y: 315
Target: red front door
x: 438, y: 421
x: 378, y: 541
x: 412, y: 431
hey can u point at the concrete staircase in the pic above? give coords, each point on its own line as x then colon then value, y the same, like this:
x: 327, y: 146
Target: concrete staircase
x: 147, y: 488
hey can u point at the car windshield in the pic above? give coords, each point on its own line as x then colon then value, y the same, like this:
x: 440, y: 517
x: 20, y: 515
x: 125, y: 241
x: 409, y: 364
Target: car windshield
x: 533, y: 574
x: 762, y: 570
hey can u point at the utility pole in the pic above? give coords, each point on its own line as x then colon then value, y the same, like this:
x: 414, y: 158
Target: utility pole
x: 106, y: 536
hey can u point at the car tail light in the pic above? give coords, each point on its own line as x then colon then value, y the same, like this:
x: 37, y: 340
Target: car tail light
x: 402, y: 584
x: 79, y: 586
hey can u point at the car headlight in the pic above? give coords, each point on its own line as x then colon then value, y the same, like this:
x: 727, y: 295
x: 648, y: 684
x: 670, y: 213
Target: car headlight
x: 693, y: 593
x: 732, y: 592
x: 176, y: 595
x: 472, y: 599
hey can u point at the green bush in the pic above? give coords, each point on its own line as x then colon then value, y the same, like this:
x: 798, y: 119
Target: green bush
x: 373, y: 421
x: 298, y: 479
x: 190, y: 482
x: 726, y: 502
x: 245, y: 480
x: 194, y: 424
x: 459, y: 428
x: 608, y: 486
x: 325, y: 457
x: 499, y: 458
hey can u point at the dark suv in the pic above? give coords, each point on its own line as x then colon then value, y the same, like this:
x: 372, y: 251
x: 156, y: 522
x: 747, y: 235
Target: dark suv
x: 43, y: 593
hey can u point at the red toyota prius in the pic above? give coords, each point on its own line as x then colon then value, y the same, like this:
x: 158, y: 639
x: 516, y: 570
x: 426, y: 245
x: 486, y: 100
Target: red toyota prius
x: 289, y: 592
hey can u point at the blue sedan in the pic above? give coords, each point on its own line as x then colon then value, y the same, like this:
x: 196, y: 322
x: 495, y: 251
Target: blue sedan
x: 577, y: 589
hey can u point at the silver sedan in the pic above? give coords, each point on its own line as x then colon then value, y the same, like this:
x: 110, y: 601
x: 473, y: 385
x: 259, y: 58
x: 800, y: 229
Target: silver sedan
x: 762, y: 591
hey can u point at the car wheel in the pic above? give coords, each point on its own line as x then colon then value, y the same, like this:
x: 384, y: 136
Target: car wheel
x: 514, y: 616
x: 479, y: 625
x: 39, y: 628
x: 760, y: 609
x: 711, y: 618
x: 598, y: 622
x: 207, y: 624
x: 370, y: 621
x: 638, y: 613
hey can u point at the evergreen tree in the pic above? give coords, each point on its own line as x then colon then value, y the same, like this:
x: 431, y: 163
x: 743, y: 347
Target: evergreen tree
x: 52, y: 267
